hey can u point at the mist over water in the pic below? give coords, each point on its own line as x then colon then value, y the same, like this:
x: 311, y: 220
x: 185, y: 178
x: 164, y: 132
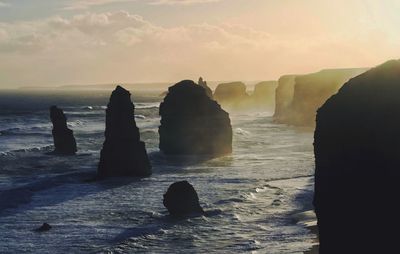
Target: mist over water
x: 249, y: 195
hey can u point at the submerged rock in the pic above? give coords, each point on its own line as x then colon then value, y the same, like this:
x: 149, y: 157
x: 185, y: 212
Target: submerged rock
x: 357, y: 140
x: 203, y: 84
x: 64, y: 141
x: 231, y: 95
x: 192, y: 123
x: 45, y: 227
x: 182, y: 199
x: 123, y: 153
x: 263, y: 96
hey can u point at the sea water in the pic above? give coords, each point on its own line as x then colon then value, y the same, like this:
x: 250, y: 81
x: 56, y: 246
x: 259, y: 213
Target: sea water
x: 250, y: 196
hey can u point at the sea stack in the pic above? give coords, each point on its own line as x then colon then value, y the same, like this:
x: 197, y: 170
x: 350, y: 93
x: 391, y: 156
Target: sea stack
x: 64, y: 141
x: 263, y: 96
x: 182, y: 199
x: 192, y: 123
x: 232, y: 95
x: 123, y: 153
x: 203, y: 84
x: 357, y: 141
x: 283, y: 97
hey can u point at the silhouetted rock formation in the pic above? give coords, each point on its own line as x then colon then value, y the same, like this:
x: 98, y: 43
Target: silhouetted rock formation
x: 181, y: 199
x: 203, y: 84
x: 231, y: 95
x: 310, y: 92
x: 192, y: 123
x: 357, y: 140
x: 263, y: 96
x: 45, y: 227
x: 123, y: 153
x: 64, y: 141
x: 283, y: 97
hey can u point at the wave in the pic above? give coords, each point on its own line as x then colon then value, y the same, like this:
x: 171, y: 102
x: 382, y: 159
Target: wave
x: 15, y: 152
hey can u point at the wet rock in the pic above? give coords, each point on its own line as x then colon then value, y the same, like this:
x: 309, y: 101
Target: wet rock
x: 123, y: 153
x: 356, y: 145
x: 64, y: 141
x: 231, y: 95
x: 263, y: 96
x: 192, y: 123
x: 203, y: 84
x: 45, y: 227
x: 182, y: 199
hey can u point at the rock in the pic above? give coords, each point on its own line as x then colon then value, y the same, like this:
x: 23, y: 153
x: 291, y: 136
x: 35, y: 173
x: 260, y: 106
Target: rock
x: 300, y: 96
x: 356, y: 145
x: 203, y: 84
x: 232, y: 95
x: 263, y: 96
x: 283, y: 97
x: 192, y: 123
x: 64, y: 141
x: 123, y: 153
x: 181, y: 199
x: 43, y: 228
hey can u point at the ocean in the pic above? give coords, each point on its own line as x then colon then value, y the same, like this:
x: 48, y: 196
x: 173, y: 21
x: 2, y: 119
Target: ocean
x: 250, y: 196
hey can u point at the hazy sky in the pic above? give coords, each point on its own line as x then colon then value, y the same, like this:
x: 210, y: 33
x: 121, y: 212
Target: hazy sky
x: 48, y: 42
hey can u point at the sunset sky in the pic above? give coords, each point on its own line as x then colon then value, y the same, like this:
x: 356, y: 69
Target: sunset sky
x: 47, y: 42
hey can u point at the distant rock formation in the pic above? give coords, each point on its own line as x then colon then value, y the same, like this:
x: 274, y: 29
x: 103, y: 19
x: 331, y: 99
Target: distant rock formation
x: 182, y: 199
x: 192, y: 123
x: 309, y: 93
x: 64, y: 141
x: 123, y: 153
x: 231, y: 95
x: 263, y: 96
x: 357, y: 140
x: 284, y: 97
x: 203, y: 84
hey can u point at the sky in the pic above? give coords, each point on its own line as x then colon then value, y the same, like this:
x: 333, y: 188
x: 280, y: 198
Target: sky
x: 64, y: 42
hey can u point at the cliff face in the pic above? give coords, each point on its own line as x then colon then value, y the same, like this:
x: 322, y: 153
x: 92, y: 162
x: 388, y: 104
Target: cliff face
x: 123, y: 153
x: 308, y: 93
x: 356, y: 146
x: 64, y: 141
x: 263, y: 96
x: 192, y: 123
x: 283, y: 97
x: 231, y: 95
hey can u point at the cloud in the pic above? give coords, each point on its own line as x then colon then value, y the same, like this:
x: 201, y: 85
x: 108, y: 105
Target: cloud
x: 120, y: 46
x: 86, y: 4
x: 3, y: 4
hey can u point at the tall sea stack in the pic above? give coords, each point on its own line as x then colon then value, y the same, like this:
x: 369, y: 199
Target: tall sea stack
x: 64, y: 141
x: 123, y: 153
x: 357, y: 148
x: 192, y: 123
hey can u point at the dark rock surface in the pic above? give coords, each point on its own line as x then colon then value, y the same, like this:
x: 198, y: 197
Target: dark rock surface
x: 231, y: 95
x: 203, y: 84
x: 181, y: 199
x: 123, y: 153
x: 64, y: 141
x: 263, y: 96
x: 45, y: 227
x: 356, y: 144
x: 192, y: 123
